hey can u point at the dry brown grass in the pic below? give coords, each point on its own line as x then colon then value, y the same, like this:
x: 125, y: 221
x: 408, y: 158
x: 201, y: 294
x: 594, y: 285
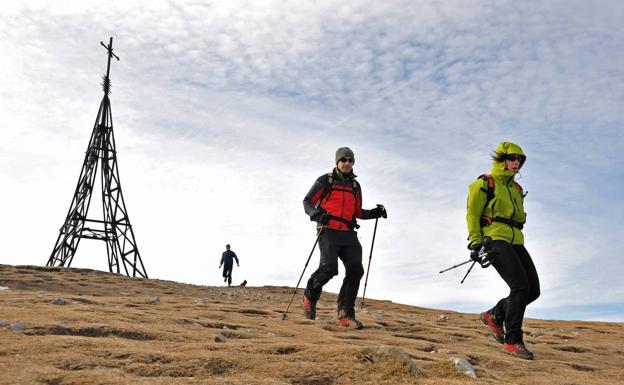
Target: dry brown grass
x: 109, y: 332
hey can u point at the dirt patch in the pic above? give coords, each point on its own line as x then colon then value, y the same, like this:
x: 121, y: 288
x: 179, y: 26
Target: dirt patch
x: 581, y: 368
x: 313, y: 380
x: 287, y: 350
x: 573, y: 349
x: 101, y: 331
x: 187, y: 368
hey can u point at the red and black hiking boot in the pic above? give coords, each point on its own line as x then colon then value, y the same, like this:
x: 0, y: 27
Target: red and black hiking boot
x: 350, y: 322
x: 347, y: 319
x: 518, y: 350
x: 495, y: 330
x: 309, y: 308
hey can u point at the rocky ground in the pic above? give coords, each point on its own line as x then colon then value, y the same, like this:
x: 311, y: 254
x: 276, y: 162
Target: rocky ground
x: 77, y: 326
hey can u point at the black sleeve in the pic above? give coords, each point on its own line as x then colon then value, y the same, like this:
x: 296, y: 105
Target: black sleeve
x: 366, y: 214
x: 312, y: 198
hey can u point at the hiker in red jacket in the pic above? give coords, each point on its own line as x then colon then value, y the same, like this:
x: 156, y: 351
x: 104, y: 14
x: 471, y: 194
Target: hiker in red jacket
x: 335, y: 202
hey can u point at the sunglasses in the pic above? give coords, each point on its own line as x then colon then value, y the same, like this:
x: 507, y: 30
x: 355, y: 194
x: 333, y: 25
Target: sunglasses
x: 514, y: 157
x: 345, y: 160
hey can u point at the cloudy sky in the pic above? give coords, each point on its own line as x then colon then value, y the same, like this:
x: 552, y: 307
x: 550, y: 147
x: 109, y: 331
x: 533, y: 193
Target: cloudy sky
x: 225, y: 112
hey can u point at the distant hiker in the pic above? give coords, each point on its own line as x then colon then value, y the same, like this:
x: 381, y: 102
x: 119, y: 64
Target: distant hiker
x: 495, y: 210
x: 335, y: 202
x: 227, y: 261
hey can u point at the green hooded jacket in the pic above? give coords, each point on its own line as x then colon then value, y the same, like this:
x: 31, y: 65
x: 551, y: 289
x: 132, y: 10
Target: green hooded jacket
x: 507, y: 203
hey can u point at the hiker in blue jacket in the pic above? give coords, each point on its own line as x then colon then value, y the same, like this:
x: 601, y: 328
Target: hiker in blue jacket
x: 227, y: 261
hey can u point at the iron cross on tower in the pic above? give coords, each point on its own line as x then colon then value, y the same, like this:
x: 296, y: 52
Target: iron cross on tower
x: 115, y: 228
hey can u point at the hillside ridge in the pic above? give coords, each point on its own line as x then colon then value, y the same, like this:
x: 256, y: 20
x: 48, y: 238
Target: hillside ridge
x: 80, y: 326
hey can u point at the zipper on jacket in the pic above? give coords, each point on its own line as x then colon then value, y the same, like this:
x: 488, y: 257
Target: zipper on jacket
x: 342, y: 208
x: 513, y: 204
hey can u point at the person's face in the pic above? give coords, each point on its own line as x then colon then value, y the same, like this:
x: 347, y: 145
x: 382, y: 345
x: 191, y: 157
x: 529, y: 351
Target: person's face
x: 512, y: 162
x: 345, y: 165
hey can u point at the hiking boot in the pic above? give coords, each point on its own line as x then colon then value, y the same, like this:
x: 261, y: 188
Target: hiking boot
x: 518, y: 350
x: 309, y: 308
x: 350, y: 322
x: 495, y: 330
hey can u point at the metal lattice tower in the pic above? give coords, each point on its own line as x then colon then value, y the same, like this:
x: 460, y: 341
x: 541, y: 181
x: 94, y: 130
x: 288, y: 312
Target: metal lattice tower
x: 115, y: 228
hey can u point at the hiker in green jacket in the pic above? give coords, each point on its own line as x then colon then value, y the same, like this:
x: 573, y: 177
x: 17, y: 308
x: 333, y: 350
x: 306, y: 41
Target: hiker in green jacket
x: 495, y: 210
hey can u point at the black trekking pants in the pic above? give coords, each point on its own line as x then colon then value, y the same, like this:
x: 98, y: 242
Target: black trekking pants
x: 514, y: 264
x: 227, y: 274
x: 336, y: 244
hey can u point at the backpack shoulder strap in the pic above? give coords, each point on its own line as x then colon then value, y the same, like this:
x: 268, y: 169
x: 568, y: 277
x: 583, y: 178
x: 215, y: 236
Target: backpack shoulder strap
x: 520, y: 189
x: 490, y: 187
x: 485, y: 220
x: 327, y: 182
x: 356, y: 187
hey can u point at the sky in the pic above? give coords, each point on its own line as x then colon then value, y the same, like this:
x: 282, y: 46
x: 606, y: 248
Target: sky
x: 225, y: 112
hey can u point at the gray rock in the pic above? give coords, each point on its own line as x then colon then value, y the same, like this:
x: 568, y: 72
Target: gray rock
x: 3, y: 323
x: 18, y: 326
x: 2, y: 288
x: 199, y: 301
x: 462, y: 365
x: 445, y: 351
x: 389, y: 356
x: 271, y: 334
x: 220, y: 338
x: 155, y: 299
x: 59, y: 301
x: 442, y: 318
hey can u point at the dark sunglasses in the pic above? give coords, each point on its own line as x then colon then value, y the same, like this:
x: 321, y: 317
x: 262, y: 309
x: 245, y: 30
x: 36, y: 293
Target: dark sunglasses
x: 345, y: 160
x: 514, y: 157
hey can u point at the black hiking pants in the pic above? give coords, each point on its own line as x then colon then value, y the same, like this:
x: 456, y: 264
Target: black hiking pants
x: 336, y: 244
x: 515, y: 266
x: 227, y: 274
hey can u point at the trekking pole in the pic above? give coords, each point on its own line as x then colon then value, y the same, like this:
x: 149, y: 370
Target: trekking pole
x: 304, y: 269
x: 369, y: 262
x: 468, y: 272
x: 458, y: 265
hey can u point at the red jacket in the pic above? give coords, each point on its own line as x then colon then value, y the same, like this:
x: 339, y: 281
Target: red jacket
x: 341, y: 198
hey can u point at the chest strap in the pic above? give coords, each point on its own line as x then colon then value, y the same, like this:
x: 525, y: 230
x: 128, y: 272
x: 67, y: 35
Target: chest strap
x: 351, y: 225
x: 510, y: 222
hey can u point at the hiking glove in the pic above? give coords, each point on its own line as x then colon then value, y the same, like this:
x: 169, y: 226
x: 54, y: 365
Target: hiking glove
x: 324, y: 219
x: 379, y: 212
x: 474, y: 254
x: 315, y: 217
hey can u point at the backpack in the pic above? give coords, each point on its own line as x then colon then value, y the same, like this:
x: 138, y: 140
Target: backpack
x: 328, y: 183
x: 490, y: 195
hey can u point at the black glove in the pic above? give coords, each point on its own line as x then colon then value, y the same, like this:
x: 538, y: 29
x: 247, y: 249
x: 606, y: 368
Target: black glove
x: 474, y: 254
x: 324, y: 218
x: 481, y: 253
x: 379, y: 212
x: 315, y: 217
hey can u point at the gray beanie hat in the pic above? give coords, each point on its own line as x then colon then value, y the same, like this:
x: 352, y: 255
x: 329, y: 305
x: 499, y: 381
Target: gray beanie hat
x: 344, y: 152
